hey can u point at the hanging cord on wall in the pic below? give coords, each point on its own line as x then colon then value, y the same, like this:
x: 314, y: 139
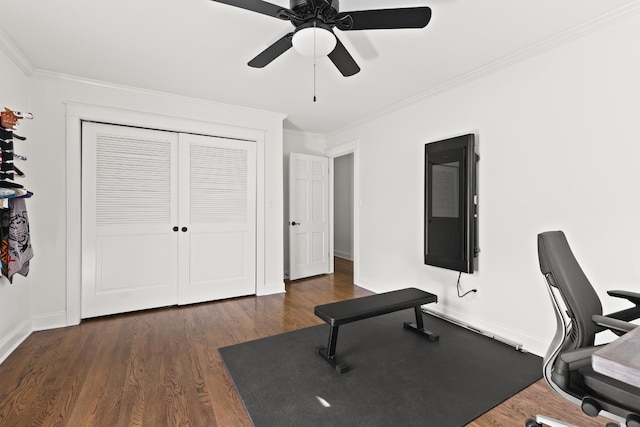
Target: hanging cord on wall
x: 459, y: 290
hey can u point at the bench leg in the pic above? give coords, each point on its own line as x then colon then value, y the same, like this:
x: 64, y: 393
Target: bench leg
x: 418, y: 327
x: 329, y: 352
x: 333, y: 341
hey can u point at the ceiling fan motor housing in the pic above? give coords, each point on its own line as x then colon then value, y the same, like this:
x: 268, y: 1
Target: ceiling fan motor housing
x: 322, y: 9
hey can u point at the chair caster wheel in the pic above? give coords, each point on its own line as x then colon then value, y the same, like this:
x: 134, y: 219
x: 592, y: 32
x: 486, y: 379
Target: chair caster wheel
x: 633, y: 420
x: 532, y: 423
x: 591, y: 406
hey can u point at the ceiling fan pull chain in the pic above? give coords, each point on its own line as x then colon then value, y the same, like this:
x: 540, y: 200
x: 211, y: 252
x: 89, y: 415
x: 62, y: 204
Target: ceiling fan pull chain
x: 314, y: 79
x: 314, y: 61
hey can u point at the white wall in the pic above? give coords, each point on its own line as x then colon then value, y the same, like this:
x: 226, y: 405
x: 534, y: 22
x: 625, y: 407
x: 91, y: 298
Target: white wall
x: 15, y: 303
x: 343, y: 206
x: 559, y: 149
x: 47, y: 97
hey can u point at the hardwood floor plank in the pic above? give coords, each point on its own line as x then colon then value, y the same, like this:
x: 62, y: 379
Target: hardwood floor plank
x: 140, y: 382
x: 95, y: 402
x: 162, y: 367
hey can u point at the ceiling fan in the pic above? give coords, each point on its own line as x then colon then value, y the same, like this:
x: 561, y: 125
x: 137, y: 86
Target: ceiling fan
x: 314, y: 21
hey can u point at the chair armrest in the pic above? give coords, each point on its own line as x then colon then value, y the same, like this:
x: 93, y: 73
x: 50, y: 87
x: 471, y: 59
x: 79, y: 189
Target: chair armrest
x: 634, y: 297
x: 614, y: 325
x: 629, y: 314
x: 567, y: 363
x: 578, y: 358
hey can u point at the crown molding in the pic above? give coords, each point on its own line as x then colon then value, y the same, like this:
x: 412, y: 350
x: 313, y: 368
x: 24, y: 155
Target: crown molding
x: 16, y: 56
x: 303, y: 134
x: 60, y: 77
x: 522, y: 55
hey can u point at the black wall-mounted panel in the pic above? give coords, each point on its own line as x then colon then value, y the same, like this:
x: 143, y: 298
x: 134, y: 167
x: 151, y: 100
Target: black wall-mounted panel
x: 450, y: 204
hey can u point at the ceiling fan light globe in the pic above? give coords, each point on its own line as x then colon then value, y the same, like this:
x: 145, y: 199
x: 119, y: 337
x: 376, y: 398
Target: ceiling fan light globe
x: 304, y: 39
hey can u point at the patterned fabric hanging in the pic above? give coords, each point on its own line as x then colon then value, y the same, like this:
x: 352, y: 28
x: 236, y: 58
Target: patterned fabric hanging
x: 20, y: 250
x: 4, y: 243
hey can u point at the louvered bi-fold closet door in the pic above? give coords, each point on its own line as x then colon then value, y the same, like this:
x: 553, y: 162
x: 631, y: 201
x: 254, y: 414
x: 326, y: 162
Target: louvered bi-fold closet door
x: 129, y: 209
x: 217, y: 208
x: 167, y: 219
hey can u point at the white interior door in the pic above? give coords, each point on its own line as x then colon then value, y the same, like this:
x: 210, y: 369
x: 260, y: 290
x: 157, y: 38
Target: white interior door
x: 217, y: 200
x: 308, y: 215
x: 129, y: 209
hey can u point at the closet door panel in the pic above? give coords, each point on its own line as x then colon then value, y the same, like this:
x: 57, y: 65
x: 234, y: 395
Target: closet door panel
x: 217, y: 256
x: 126, y: 262
x: 218, y: 211
x: 129, y: 209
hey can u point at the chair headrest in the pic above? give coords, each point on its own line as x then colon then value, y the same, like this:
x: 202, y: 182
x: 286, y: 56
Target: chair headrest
x: 550, y: 242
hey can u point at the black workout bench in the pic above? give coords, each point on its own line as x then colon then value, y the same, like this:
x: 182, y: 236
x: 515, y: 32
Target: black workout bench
x: 341, y: 312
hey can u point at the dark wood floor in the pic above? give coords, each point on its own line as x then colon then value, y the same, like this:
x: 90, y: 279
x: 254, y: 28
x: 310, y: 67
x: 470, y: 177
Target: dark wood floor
x: 162, y: 367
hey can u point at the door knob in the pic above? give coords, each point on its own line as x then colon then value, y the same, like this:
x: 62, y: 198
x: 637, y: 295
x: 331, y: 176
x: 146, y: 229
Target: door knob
x: 184, y: 229
x: 295, y: 223
x: 175, y: 228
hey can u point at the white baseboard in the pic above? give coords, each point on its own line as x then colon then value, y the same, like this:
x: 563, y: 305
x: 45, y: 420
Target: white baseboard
x: 14, y: 339
x: 527, y: 342
x: 377, y: 288
x: 345, y: 255
x: 50, y: 321
x: 500, y: 332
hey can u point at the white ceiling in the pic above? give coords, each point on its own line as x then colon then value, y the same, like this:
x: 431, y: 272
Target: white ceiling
x: 200, y: 48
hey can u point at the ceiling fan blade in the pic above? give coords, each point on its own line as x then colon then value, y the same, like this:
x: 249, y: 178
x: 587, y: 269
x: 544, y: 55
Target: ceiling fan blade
x: 258, y: 6
x: 343, y: 60
x: 384, y: 19
x: 272, y: 52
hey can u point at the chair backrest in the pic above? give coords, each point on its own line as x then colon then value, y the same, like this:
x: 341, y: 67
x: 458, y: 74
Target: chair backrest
x: 562, y: 271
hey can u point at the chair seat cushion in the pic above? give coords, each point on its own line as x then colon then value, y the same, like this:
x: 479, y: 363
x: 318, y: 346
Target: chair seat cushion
x: 616, y: 391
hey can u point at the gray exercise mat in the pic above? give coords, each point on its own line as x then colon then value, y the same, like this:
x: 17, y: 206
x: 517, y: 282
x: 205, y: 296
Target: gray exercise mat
x: 396, y: 377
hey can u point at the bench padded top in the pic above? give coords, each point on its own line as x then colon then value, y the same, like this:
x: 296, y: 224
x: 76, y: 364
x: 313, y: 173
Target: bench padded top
x: 341, y: 312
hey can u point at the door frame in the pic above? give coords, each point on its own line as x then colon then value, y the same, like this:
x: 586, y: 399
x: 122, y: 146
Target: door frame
x: 76, y: 113
x: 332, y: 153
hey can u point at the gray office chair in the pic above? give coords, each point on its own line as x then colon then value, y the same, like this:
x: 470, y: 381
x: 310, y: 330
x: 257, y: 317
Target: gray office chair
x: 567, y: 364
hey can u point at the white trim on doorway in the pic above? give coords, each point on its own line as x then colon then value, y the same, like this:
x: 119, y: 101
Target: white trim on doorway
x: 76, y: 114
x: 332, y: 153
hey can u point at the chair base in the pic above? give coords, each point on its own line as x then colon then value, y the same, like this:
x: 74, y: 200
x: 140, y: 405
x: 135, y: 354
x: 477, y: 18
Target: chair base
x: 542, y: 420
